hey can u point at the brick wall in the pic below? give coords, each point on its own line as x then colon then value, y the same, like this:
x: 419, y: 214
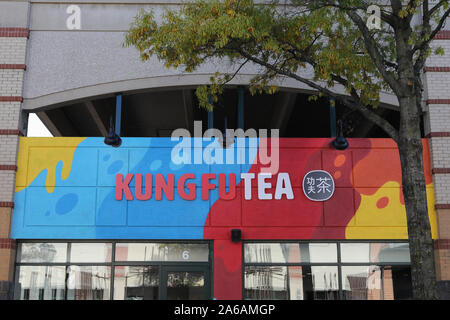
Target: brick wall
x: 11, y: 81
x: 12, y: 50
x: 12, y: 67
x: 438, y: 118
x: 437, y: 128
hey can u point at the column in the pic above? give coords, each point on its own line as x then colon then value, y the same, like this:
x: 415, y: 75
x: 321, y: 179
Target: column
x: 13, y: 41
x: 437, y: 129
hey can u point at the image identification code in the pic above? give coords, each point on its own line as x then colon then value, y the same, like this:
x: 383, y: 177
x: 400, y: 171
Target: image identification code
x: 222, y: 309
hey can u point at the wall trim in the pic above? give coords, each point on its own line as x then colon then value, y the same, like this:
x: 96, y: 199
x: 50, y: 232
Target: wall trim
x: 6, y: 243
x: 14, y: 32
x: 437, y: 135
x: 11, y: 99
x: 440, y: 170
x: 6, y: 204
x: 437, y: 101
x: 443, y: 35
x: 13, y: 66
x: 10, y: 167
x: 442, y: 244
x: 442, y: 206
x: 10, y: 132
x: 436, y: 69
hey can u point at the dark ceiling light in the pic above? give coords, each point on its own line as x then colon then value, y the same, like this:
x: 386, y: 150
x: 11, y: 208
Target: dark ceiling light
x: 340, y: 143
x: 112, y: 139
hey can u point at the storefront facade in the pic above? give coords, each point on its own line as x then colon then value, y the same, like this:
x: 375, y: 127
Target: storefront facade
x: 87, y: 227
x: 73, y: 225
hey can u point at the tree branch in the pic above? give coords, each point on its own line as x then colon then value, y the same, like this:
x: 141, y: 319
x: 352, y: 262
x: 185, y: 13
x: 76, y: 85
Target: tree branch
x: 386, y: 17
x: 355, y: 104
x: 373, y: 51
x: 424, y: 45
x: 439, y: 25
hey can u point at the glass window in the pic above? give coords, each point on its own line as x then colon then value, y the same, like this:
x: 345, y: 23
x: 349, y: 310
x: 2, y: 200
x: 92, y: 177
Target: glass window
x: 41, y: 282
x: 185, y: 285
x: 389, y: 252
x: 136, y: 283
x: 355, y: 252
x: 361, y: 283
x: 290, y: 252
x: 42, y: 252
x: 266, y: 283
x: 183, y: 252
x: 88, y: 282
x: 375, y: 252
x: 90, y: 252
x: 310, y: 271
x: 272, y: 252
x: 320, y: 252
x: 291, y: 283
x: 397, y: 283
x: 325, y: 283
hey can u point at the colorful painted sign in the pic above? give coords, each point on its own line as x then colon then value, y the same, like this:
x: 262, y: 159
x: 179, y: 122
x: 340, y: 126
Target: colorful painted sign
x: 66, y: 188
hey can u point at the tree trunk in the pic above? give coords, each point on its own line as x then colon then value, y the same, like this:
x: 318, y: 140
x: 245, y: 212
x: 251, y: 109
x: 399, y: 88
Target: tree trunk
x: 413, y: 179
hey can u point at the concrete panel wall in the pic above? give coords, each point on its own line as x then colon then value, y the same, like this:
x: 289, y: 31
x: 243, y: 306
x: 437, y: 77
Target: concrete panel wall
x: 14, y: 13
x: 92, y: 60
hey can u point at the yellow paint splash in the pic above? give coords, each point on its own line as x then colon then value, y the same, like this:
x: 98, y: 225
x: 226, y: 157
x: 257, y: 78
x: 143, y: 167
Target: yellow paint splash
x: 38, y: 154
x: 388, y: 222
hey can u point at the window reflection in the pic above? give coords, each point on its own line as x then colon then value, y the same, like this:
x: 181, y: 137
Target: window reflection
x: 390, y: 252
x: 272, y: 252
x: 186, y: 252
x: 397, y: 282
x: 91, y: 252
x: 290, y: 252
x: 376, y: 282
x: 375, y: 252
x: 42, y: 252
x: 361, y: 283
x: 185, y: 285
x: 295, y: 271
x: 41, y: 282
x: 355, y: 252
x: 266, y: 283
x: 319, y: 252
x: 298, y: 271
x: 325, y: 285
x: 291, y: 283
x: 88, y: 282
x: 136, y: 283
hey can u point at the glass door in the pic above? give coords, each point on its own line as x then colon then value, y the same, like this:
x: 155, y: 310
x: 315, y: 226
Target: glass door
x: 185, y: 282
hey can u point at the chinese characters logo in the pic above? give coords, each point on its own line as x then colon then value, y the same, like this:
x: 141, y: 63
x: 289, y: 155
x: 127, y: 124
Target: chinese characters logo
x: 318, y: 185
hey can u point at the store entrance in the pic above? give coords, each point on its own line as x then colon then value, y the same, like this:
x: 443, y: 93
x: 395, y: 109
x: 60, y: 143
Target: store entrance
x: 185, y: 282
x: 162, y: 271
